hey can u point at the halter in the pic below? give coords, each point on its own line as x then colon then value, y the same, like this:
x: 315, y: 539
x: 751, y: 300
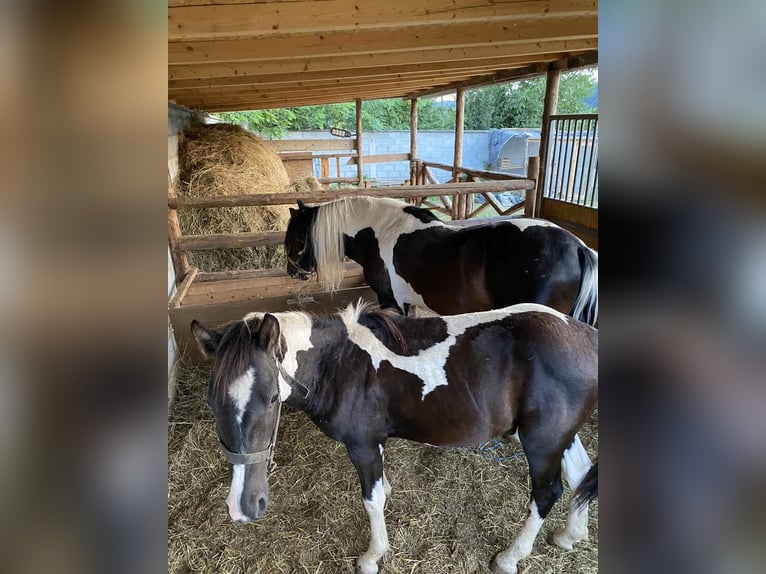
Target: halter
x: 268, y: 453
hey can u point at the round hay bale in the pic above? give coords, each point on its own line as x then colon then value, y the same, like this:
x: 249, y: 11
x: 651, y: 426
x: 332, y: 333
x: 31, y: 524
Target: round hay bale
x: 225, y: 159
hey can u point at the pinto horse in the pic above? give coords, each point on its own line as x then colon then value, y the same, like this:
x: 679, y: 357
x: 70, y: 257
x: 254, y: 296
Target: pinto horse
x: 525, y: 371
x: 410, y: 257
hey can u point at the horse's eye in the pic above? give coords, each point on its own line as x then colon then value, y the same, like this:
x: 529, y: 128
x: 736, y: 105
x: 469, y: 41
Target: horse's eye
x: 274, y: 398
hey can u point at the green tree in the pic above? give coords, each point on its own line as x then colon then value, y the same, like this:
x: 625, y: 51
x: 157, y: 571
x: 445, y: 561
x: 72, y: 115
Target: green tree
x: 520, y: 104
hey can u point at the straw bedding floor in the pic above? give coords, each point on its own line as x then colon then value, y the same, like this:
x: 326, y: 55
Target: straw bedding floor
x: 451, y: 510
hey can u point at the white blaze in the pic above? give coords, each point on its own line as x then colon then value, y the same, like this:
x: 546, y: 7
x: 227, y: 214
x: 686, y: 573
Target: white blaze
x: 240, y: 390
x: 235, y: 492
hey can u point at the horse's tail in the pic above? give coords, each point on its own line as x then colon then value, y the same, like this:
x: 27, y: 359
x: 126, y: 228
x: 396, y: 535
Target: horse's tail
x: 588, y: 488
x: 585, y: 307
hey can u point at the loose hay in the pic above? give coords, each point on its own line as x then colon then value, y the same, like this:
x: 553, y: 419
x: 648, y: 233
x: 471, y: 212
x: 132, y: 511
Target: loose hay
x: 451, y: 510
x: 224, y: 159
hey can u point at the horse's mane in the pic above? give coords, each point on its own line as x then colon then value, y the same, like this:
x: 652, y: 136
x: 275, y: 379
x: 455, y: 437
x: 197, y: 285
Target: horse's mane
x: 382, y: 317
x: 327, y: 233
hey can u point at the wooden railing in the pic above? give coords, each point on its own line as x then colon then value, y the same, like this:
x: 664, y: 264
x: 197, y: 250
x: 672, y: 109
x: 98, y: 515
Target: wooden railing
x: 463, y: 207
x: 419, y: 193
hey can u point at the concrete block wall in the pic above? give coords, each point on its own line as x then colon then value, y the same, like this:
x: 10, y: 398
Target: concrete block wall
x: 433, y: 145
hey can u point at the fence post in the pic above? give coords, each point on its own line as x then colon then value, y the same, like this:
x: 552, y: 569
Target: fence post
x: 359, y: 163
x: 413, y: 141
x: 533, y: 171
x: 550, y: 104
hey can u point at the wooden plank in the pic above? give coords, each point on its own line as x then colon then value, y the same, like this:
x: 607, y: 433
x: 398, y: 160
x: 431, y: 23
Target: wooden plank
x: 263, y: 288
x: 332, y: 42
x: 359, y: 157
x: 311, y: 145
x: 261, y: 274
x: 495, y: 175
x: 236, y: 21
x: 183, y: 288
x: 214, y: 314
x: 572, y: 213
x: 400, y: 191
x: 230, y: 240
x: 502, y: 77
x: 343, y: 65
x: 388, y: 73
x: 381, y: 158
x: 550, y: 104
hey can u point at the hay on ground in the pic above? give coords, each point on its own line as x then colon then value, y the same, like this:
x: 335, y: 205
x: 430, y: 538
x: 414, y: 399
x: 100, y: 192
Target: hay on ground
x: 224, y: 159
x: 451, y: 510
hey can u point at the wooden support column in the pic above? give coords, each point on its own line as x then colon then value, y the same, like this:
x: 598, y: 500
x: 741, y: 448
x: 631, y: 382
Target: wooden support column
x: 530, y: 200
x: 413, y: 141
x: 359, y: 160
x: 550, y: 104
x: 461, y: 201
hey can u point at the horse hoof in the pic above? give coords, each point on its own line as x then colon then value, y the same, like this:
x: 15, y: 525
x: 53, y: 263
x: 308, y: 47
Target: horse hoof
x: 564, y: 541
x: 495, y: 568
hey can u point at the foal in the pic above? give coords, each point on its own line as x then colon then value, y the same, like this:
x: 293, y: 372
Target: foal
x: 362, y: 377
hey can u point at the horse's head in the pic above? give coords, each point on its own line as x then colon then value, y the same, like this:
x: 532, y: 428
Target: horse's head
x: 243, y: 394
x: 298, y: 242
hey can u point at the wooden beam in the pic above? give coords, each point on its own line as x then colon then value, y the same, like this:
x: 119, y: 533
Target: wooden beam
x: 474, y: 172
x: 359, y: 157
x: 385, y: 40
x: 254, y: 92
x: 183, y: 288
x: 450, y: 57
x: 502, y: 77
x: 230, y: 240
x: 381, y: 158
x: 366, y: 73
x: 550, y: 105
x: 236, y: 22
x: 311, y: 145
x: 400, y: 191
x: 413, y: 139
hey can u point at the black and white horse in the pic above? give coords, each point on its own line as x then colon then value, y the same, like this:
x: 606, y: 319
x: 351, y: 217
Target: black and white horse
x: 526, y: 371
x: 412, y: 258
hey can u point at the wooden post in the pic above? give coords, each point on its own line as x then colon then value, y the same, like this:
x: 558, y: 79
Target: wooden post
x: 459, y: 212
x: 413, y: 140
x: 177, y: 255
x: 533, y: 169
x: 550, y: 104
x: 359, y: 162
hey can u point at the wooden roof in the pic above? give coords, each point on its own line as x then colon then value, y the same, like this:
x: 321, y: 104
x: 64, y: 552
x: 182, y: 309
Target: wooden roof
x: 242, y: 54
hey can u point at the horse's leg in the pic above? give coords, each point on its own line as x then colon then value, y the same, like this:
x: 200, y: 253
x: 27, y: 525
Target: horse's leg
x: 575, y: 463
x: 368, y: 462
x: 407, y: 308
x: 545, y: 470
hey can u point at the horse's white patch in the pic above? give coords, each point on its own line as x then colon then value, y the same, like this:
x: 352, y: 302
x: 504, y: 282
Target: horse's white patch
x: 380, y: 447
x: 379, y: 536
x: 575, y: 464
x: 295, y: 327
x: 235, y: 493
x: 523, y: 222
x: 522, y: 545
x: 239, y: 392
x: 429, y: 364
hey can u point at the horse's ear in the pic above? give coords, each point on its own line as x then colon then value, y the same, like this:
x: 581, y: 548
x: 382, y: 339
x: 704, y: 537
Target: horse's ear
x: 293, y: 213
x: 268, y: 334
x: 207, y: 339
x: 301, y: 205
